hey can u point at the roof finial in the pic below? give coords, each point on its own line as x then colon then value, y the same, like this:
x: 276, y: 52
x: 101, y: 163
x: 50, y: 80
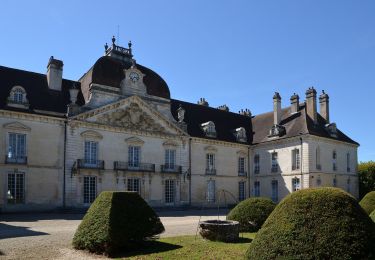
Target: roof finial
x: 106, y: 47
x: 113, y: 40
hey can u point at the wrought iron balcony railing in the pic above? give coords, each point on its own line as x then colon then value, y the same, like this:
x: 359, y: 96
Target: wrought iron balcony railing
x: 16, y: 159
x: 211, y: 171
x: 90, y: 164
x: 132, y: 166
x: 167, y: 168
x: 242, y: 173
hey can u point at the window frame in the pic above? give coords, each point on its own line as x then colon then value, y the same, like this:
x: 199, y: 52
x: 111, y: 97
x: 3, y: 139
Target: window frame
x: 15, y: 201
x: 89, y: 197
x: 241, y: 163
x: 274, y: 162
x: 296, y: 159
x: 89, y: 158
x: 256, y: 163
x: 275, y: 193
x: 134, y: 156
x: 296, y: 184
x: 170, y: 158
x: 256, y: 188
x: 131, y: 183
x: 241, y: 190
x: 334, y: 160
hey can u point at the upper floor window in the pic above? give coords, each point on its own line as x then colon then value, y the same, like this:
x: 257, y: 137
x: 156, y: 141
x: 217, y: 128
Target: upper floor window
x: 17, y: 97
x: 91, y: 152
x: 17, y: 148
x: 209, y: 129
x: 274, y: 162
x: 295, y: 159
x: 317, y: 156
x: 256, y: 163
x: 257, y: 188
x: 275, y: 190
x: 241, y: 134
x: 296, y: 184
x: 348, y: 162
x: 241, y: 166
x: 334, y: 161
x: 134, y: 156
x: 210, y: 163
x: 170, y: 159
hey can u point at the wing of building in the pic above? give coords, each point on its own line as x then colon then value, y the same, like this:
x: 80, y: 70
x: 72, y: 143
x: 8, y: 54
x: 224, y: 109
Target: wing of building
x: 117, y: 128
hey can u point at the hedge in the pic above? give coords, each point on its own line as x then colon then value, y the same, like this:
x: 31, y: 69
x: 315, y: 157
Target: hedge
x: 368, y: 202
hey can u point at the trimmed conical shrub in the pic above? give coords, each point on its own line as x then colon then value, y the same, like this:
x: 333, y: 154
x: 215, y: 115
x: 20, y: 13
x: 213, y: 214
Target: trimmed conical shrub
x: 368, y: 202
x: 116, y: 221
x: 251, y: 213
x: 322, y: 223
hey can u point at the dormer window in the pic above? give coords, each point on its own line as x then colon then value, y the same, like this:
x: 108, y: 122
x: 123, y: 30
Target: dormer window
x: 240, y: 134
x: 209, y: 129
x: 17, y: 97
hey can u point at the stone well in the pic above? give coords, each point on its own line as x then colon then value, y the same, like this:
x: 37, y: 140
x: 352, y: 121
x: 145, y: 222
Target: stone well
x: 219, y: 230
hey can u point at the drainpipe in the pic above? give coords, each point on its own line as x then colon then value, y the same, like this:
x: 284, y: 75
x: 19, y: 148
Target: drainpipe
x: 248, y: 170
x: 189, y: 172
x: 64, y: 163
x: 301, y: 163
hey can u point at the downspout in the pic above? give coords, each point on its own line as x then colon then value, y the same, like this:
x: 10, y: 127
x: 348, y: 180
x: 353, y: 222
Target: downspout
x: 248, y: 169
x: 302, y: 180
x: 189, y: 173
x: 64, y: 162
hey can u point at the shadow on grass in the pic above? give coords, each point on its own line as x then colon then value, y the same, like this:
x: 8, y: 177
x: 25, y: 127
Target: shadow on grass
x: 242, y: 240
x: 149, y: 247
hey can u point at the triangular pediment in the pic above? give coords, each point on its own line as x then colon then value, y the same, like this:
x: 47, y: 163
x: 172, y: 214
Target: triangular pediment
x: 16, y: 126
x: 131, y: 114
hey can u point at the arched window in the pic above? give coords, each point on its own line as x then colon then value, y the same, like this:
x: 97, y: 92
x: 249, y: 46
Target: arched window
x: 209, y: 129
x: 17, y: 97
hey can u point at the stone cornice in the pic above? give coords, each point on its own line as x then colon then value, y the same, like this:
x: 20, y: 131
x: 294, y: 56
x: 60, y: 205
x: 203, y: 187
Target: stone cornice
x: 218, y: 142
x: 31, y: 117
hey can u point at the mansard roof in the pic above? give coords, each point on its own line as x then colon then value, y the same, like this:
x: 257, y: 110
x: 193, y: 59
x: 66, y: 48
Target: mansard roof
x: 109, y: 71
x: 40, y: 97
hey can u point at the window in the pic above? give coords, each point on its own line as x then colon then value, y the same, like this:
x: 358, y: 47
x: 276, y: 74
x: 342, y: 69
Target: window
x: 169, y: 191
x: 334, y: 161
x: 18, y: 96
x: 209, y: 129
x: 348, y: 162
x: 134, y: 185
x: 16, y: 188
x: 348, y: 185
x: 89, y: 189
x: 295, y: 159
x: 317, y: 155
x: 210, y: 163
x: 241, y: 191
x: 295, y: 184
x: 257, y: 189
x: 134, y: 156
x: 275, y: 190
x: 17, y: 148
x: 334, y: 182
x: 91, y: 152
x: 170, y: 159
x: 211, y: 191
x: 274, y: 162
x: 318, y: 182
x: 241, y: 166
x: 240, y: 134
x: 256, y: 164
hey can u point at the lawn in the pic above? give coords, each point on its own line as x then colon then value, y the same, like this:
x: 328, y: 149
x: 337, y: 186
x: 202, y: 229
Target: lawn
x: 189, y: 247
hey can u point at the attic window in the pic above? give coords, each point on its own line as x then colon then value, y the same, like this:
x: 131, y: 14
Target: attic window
x: 17, y: 97
x: 240, y: 134
x: 209, y: 129
x: 332, y: 129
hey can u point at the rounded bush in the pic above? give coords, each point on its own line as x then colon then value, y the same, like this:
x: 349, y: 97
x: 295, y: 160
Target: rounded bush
x: 372, y: 216
x: 251, y: 213
x: 321, y: 223
x: 116, y: 221
x: 368, y: 202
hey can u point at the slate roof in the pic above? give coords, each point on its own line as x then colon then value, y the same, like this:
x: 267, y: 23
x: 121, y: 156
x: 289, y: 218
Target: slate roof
x: 38, y: 94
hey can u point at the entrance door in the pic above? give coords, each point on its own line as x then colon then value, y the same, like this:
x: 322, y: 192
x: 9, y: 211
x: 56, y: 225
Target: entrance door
x: 169, y: 191
x: 89, y: 189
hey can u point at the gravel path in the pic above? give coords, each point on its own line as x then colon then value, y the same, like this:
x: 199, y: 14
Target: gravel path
x: 49, y: 236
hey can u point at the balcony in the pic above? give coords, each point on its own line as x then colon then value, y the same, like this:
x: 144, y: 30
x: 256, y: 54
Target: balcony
x: 136, y: 167
x: 90, y: 164
x: 242, y: 173
x: 211, y: 171
x: 167, y: 168
x: 16, y: 160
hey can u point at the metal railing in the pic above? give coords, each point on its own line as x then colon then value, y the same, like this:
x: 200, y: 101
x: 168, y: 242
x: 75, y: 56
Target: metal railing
x: 167, y: 168
x: 16, y: 160
x: 242, y: 173
x: 90, y: 164
x: 211, y: 171
x: 131, y: 166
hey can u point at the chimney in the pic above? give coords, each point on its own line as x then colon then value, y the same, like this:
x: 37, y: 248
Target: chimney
x: 311, y: 104
x: 276, y: 109
x: 224, y: 108
x: 324, y: 106
x: 245, y: 112
x: 54, y: 73
x: 294, y: 103
x: 202, y: 102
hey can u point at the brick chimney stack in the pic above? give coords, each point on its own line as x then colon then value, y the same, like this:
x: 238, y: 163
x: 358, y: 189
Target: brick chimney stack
x: 311, y: 104
x: 324, y: 106
x: 294, y: 102
x: 276, y: 109
x: 54, y: 73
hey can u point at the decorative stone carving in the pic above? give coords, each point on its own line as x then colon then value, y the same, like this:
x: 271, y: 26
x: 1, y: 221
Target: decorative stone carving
x: 132, y: 117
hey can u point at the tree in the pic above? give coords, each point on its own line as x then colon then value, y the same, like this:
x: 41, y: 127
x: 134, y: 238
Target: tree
x: 366, y: 174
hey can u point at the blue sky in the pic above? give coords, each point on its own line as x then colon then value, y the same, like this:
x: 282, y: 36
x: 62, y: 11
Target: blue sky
x: 230, y: 52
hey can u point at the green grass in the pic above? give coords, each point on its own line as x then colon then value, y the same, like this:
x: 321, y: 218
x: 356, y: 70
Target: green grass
x: 189, y: 247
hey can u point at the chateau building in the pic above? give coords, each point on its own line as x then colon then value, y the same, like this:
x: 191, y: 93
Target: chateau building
x: 117, y: 128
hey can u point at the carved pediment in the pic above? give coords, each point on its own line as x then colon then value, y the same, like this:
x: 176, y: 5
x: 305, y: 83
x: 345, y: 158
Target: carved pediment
x: 91, y: 135
x: 131, y: 117
x: 134, y: 140
x: 16, y: 126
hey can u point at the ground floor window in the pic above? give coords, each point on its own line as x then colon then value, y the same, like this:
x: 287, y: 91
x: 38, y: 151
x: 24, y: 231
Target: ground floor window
x: 295, y: 184
x: 241, y: 191
x: 334, y: 182
x: 16, y: 188
x: 169, y: 191
x: 257, y: 189
x: 275, y: 190
x: 134, y: 185
x: 211, y: 191
x: 89, y: 189
x: 348, y: 185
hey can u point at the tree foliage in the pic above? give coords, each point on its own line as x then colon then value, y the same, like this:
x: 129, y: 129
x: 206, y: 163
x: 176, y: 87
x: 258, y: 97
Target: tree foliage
x: 366, y: 174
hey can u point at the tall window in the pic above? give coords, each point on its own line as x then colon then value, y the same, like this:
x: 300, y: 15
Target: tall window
x: 241, y: 191
x: 91, y: 152
x: 318, y: 182
x: 134, y: 185
x: 134, y: 156
x: 169, y: 191
x: 348, y: 162
x: 334, y: 182
x: 256, y: 188
x: 296, y: 184
x: 295, y: 159
x: 170, y: 159
x: 18, y: 96
x: 241, y: 166
x: 274, y: 162
x: 16, y: 188
x: 256, y: 164
x: 211, y: 191
x: 89, y: 189
x: 275, y: 190
x: 210, y: 161
x: 348, y: 185
x: 17, y: 147
x: 334, y: 161
x: 317, y: 156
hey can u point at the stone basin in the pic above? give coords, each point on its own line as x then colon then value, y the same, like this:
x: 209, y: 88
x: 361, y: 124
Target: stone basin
x: 220, y: 230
